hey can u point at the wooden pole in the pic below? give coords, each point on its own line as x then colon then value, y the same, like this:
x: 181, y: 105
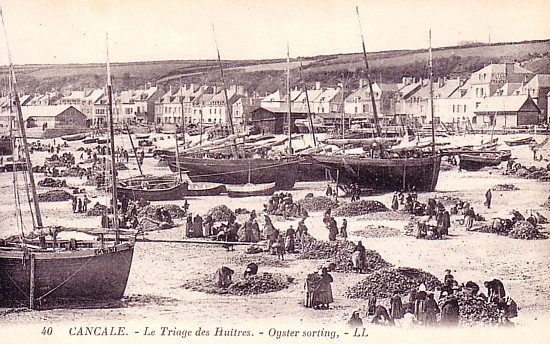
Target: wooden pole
x: 112, y: 136
x: 289, y: 100
x: 134, y: 150
x: 310, y: 120
x: 432, y: 96
x: 367, y: 72
x: 32, y: 285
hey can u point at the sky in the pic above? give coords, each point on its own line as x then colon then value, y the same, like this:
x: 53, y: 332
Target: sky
x: 73, y: 31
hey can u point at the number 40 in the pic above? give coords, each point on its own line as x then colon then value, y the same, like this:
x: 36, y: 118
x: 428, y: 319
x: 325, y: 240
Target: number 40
x: 47, y: 331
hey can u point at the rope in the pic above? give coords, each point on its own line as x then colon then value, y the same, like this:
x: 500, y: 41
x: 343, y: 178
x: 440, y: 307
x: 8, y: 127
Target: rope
x: 16, y: 285
x: 66, y: 280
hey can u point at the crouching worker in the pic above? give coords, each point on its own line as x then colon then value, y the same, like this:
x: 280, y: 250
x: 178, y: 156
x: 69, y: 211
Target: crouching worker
x: 251, y: 269
x: 223, y: 277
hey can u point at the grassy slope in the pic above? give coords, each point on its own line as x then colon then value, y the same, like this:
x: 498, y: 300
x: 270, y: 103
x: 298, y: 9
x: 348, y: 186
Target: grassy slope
x: 268, y: 75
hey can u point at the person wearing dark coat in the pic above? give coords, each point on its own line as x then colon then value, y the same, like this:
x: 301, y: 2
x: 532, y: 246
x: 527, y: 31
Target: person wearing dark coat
x: 395, y: 201
x: 396, y: 307
x: 355, y: 321
x: 333, y: 229
x: 495, y: 290
x: 344, y: 229
x: 431, y: 310
x: 251, y: 269
x: 197, y: 226
x: 189, y: 227
x: 290, y: 240
x: 449, y: 311
x: 381, y: 313
x: 488, y: 198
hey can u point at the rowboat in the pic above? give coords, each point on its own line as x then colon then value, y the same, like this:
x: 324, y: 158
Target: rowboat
x: 90, y: 140
x: 249, y: 190
x: 476, y: 161
x: 74, y: 137
x: 205, y: 189
x: 519, y: 142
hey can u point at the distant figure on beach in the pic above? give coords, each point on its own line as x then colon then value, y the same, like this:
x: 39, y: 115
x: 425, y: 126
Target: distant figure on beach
x: 344, y: 229
x: 395, y: 201
x: 488, y: 197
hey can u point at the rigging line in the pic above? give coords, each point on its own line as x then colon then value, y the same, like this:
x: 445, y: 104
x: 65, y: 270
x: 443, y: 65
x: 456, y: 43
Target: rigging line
x: 16, y: 285
x: 66, y: 280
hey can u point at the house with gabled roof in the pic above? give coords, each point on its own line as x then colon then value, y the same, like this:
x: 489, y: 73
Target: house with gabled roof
x: 359, y: 103
x: 506, y: 112
x: 538, y: 87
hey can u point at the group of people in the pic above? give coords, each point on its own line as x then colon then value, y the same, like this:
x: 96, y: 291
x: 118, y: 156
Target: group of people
x: 80, y: 204
x: 332, y: 226
x: 318, y: 289
x: 282, y: 204
x: 422, y: 308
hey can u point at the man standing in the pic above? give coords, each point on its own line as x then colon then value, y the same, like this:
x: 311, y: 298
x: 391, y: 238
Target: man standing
x: 488, y: 197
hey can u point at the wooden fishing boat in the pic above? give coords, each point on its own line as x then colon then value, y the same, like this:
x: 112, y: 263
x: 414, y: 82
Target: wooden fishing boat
x: 520, y: 141
x: 205, y: 189
x: 90, y: 140
x: 74, y: 137
x: 477, y: 161
x: 388, y: 174
x: 282, y: 171
x: 151, y: 188
x: 102, y: 140
x: 142, y: 136
x: 49, y: 274
x: 249, y: 190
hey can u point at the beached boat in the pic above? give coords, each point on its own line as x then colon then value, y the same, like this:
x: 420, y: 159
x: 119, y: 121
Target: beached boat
x: 74, y: 137
x: 519, y: 142
x: 239, y: 171
x: 249, y: 190
x: 90, y: 140
x: 152, y: 188
x: 387, y: 174
x: 39, y: 275
x: 205, y: 189
x: 388, y: 171
x: 478, y: 160
x: 142, y: 136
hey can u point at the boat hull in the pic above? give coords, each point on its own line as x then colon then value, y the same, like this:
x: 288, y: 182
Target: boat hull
x: 250, y: 190
x: 158, y: 193
x: 205, y: 189
x: 384, y: 174
x: 239, y: 171
x: 519, y: 142
x: 75, y: 137
x: 475, y: 162
x: 69, y: 276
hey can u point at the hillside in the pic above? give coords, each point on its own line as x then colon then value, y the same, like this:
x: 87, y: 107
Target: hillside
x: 268, y: 75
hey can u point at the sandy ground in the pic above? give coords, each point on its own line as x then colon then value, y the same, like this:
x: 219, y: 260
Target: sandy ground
x: 154, y: 294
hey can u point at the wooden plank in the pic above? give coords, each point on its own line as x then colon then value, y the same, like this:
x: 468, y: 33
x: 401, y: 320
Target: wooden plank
x: 190, y: 241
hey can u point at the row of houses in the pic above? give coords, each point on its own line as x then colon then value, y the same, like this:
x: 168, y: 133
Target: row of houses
x: 503, y: 95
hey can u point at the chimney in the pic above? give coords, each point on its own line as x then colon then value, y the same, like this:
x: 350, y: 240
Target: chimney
x: 440, y: 82
x: 340, y: 85
x: 362, y: 83
x: 317, y: 85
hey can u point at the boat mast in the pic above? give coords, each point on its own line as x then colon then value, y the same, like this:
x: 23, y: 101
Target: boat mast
x: 182, y: 116
x: 374, y: 112
x: 289, y: 112
x: 308, y: 108
x: 432, y: 95
x: 228, y: 108
x: 112, y: 137
x: 177, y: 154
x: 38, y: 215
x: 343, y: 104
x: 134, y: 150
